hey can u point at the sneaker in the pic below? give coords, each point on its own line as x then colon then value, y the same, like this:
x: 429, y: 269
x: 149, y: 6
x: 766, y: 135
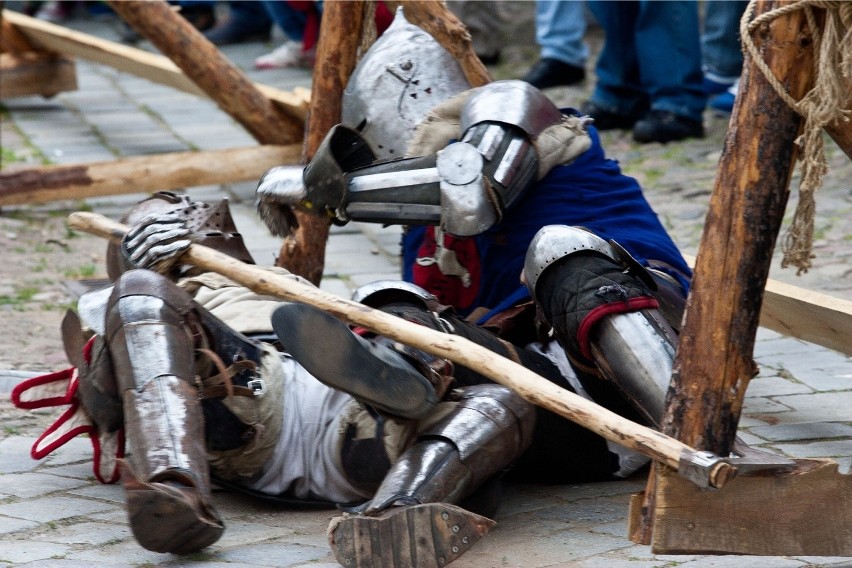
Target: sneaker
x: 287, y: 55
x: 554, y: 73
x: 664, y: 126
x: 236, y: 30
x: 606, y: 120
x: 724, y: 103
x: 55, y: 11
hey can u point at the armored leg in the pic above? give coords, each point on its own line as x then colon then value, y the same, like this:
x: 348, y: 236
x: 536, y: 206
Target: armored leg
x: 603, y: 310
x: 411, y: 513
x: 152, y: 339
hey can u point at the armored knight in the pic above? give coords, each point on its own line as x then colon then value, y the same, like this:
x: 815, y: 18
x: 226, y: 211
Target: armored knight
x: 211, y: 382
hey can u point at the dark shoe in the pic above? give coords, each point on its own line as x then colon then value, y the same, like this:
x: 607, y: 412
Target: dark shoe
x: 554, y: 73
x: 489, y: 58
x: 430, y: 535
x: 664, y: 126
x: 236, y: 30
x: 606, y: 120
x: 202, y: 17
x: 335, y: 356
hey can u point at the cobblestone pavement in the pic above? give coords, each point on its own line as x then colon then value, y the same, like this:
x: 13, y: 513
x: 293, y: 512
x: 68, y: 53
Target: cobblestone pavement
x: 52, y: 513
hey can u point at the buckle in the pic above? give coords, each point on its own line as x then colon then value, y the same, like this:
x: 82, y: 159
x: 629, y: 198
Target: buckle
x: 257, y: 386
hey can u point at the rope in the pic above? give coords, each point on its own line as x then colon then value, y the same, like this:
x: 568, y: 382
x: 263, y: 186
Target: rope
x: 820, y: 107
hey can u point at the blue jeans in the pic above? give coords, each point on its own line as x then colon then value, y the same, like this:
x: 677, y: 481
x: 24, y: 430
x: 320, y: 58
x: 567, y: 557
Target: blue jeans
x: 292, y: 22
x: 651, y: 58
x: 559, y: 29
x: 720, y: 42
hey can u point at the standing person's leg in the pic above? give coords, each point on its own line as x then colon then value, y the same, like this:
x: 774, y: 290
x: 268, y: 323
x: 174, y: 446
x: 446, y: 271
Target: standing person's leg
x: 559, y: 30
x: 483, y: 20
x: 292, y: 22
x: 618, y: 100
x: 247, y: 21
x: 722, y: 56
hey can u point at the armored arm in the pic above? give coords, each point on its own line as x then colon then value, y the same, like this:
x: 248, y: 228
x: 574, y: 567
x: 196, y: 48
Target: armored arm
x: 511, y: 135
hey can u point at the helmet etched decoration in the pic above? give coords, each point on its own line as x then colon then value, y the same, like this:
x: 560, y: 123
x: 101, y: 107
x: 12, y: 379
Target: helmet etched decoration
x: 402, y: 76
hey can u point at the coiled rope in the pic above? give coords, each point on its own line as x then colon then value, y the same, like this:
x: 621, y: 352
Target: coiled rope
x: 822, y: 106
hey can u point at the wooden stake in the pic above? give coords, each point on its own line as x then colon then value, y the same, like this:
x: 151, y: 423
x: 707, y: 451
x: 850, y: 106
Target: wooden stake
x: 527, y: 384
x: 36, y: 73
x: 202, y: 62
x: 714, y: 362
x: 141, y: 174
x: 303, y: 252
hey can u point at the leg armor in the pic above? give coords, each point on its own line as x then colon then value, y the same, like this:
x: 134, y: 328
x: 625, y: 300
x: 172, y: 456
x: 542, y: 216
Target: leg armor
x: 411, y: 515
x: 152, y: 343
x: 603, y: 309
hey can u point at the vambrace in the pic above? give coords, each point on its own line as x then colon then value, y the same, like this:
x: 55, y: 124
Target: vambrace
x: 488, y: 429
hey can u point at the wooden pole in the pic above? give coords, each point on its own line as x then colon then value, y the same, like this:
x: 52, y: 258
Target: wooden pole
x: 141, y: 174
x: 714, y: 364
x: 202, y: 62
x: 527, y: 384
x: 303, y: 252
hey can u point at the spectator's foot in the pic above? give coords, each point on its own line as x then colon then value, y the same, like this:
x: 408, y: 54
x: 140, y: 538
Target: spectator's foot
x: 55, y: 11
x: 290, y: 54
x: 724, y: 104
x: 236, y: 30
x: 201, y: 16
x: 337, y: 357
x: 430, y: 535
x: 713, y: 87
x: 664, y: 126
x: 606, y: 120
x: 554, y: 73
x: 489, y: 58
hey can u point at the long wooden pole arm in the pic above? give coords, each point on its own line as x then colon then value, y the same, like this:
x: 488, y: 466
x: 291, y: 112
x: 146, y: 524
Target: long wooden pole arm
x: 524, y: 382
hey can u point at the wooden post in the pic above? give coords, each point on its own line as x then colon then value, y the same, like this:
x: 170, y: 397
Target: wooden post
x: 714, y: 363
x: 303, y: 252
x: 202, y: 62
x: 141, y: 174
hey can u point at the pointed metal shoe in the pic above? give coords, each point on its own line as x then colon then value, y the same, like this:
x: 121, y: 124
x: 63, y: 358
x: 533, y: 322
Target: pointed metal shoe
x: 418, y: 536
x: 372, y: 373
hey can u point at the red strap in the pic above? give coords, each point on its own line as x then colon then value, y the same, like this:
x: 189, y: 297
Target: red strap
x: 595, y: 315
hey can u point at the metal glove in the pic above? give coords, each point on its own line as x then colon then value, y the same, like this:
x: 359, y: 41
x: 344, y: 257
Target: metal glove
x: 157, y: 240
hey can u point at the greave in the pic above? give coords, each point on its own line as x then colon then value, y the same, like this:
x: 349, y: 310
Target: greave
x: 487, y: 430
x: 167, y: 480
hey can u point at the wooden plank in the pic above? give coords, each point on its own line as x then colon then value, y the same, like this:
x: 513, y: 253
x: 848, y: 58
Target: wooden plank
x: 142, y: 174
x: 151, y: 66
x: 805, y: 512
x: 32, y: 73
x: 805, y: 314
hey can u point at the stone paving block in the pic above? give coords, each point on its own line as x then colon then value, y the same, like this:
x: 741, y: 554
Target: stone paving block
x: 803, y: 431
x: 275, y: 554
x: 52, y: 508
x: 68, y: 563
x: 15, y: 455
x: 821, y: 561
x: 336, y: 286
x: 107, y: 492
x: 825, y: 449
x: 79, y: 470
x: 88, y: 533
x: 818, y: 407
x: 11, y: 525
x: 26, y: 485
x: 763, y: 405
x: 25, y: 551
x: 742, y: 562
x: 773, y: 386
x: 129, y: 551
x: 607, y: 561
x: 391, y: 273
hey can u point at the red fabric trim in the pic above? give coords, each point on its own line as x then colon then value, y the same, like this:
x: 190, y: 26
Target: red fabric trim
x: 594, y: 316
x: 23, y: 386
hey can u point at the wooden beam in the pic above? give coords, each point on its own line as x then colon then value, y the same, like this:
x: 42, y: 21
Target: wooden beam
x: 142, y: 174
x: 36, y: 73
x: 151, y: 66
x: 804, y: 512
x: 805, y: 314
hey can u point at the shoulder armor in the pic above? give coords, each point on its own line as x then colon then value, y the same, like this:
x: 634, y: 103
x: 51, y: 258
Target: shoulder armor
x: 512, y: 102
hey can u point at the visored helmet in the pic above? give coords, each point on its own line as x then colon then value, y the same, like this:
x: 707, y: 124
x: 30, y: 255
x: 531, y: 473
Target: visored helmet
x: 402, y: 76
